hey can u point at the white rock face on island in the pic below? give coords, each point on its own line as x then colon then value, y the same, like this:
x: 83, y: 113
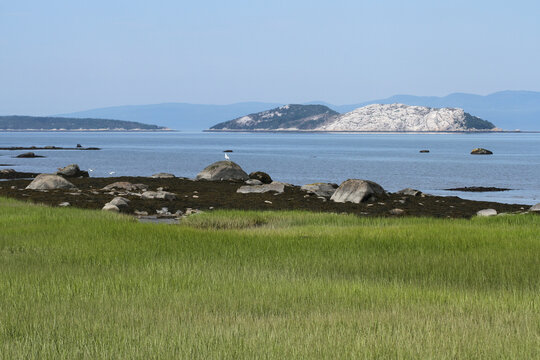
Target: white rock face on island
x: 400, y: 117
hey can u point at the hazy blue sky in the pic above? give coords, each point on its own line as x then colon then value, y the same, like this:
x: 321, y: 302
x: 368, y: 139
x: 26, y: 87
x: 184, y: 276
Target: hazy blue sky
x: 60, y: 56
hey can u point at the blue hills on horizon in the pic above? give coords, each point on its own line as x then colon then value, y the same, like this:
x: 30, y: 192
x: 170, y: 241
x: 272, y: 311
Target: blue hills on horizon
x: 509, y: 110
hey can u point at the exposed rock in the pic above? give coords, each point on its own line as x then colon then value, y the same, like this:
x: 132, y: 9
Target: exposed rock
x: 159, y: 195
x: 487, y: 212
x: 223, y: 170
x: 357, y: 191
x: 229, y: 151
x: 64, y: 204
x: 257, y: 189
x: 397, y: 211
x: 261, y: 176
x: 424, y: 151
x: 535, y: 208
x: 110, y: 207
x: 29, y: 155
x: 7, y: 171
x: 50, y: 182
x: 163, y: 176
x: 400, y: 117
x: 120, y: 202
x: 410, y: 192
x: 79, y: 145
x: 71, y: 171
x: 253, y: 182
x: 481, y: 151
x: 325, y: 190
x: 124, y: 185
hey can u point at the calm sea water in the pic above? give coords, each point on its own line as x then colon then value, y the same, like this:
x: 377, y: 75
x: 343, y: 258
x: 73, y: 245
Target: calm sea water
x: 392, y: 160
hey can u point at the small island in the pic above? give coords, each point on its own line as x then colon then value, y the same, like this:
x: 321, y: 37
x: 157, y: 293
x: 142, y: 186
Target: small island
x: 38, y: 123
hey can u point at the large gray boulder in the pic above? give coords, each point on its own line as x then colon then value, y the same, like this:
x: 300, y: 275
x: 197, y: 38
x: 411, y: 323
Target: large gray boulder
x: 72, y: 170
x: 535, y: 208
x: 486, y: 212
x: 50, y: 182
x: 119, y: 202
x: 223, y: 170
x: 357, y: 191
x: 325, y: 190
x: 276, y: 187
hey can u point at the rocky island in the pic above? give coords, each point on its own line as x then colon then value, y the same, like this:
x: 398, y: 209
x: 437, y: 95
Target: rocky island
x: 371, y: 118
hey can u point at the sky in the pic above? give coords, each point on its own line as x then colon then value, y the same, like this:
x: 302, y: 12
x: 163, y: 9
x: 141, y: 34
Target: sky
x: 59, y: 56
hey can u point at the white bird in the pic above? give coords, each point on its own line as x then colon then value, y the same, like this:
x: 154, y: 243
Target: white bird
x: 227, y: 157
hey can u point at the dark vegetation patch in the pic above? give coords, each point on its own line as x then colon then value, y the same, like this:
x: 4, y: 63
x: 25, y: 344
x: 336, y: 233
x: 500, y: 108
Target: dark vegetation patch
x: 222, y: 195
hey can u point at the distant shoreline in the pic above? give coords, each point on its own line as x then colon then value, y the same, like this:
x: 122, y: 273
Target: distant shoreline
x: 375, y: 132
x: 88, y: 130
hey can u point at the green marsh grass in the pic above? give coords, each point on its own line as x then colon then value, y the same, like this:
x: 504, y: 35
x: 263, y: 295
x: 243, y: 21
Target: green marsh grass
x: 270, y: 285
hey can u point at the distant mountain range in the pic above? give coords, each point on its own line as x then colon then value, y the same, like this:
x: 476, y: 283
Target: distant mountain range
x: 509, y: 110
x: 374, y: 117
x: 21, y: 123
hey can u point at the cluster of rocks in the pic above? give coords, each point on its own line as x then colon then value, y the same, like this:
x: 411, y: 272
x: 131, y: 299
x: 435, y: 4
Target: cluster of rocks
x: 354, y: 191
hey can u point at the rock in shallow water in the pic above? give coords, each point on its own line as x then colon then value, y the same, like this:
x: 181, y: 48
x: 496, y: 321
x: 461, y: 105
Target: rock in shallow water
x: 357, y: 191
x: 223, y: 170
x: 481, y: 151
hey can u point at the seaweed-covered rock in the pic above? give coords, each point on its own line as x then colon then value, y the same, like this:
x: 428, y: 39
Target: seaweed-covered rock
x: 223, y: 170
x: 261, y: 176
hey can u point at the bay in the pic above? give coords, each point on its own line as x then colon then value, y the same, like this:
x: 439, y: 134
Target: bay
x: 392, y: 160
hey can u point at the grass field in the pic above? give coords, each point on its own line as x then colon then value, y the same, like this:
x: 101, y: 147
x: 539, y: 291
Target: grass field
x: 275, y: 285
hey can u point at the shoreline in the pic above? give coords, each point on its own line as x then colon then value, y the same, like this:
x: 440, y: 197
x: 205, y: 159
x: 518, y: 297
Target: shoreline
x: 202, y: 195
x: 372, y: 132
